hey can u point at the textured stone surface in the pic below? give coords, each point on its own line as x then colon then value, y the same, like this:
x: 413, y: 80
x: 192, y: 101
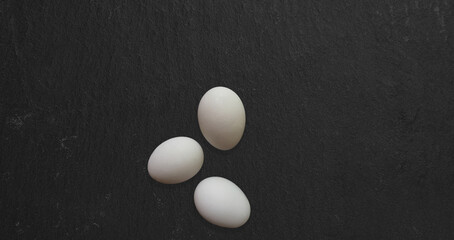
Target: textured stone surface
x: 350, y: 117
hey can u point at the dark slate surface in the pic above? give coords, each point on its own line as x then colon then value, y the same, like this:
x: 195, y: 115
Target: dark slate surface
x: 350, y: 117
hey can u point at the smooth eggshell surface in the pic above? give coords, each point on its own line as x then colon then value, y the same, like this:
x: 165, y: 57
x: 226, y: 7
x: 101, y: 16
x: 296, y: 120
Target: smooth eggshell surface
x: 221, y: 202
x: 221, y: 117
x: 175, y: 160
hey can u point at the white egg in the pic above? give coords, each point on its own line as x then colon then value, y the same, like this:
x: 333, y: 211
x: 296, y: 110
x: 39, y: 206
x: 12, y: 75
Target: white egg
x: 175, y: 160
x: 221, y: 117
x: 221, y: 202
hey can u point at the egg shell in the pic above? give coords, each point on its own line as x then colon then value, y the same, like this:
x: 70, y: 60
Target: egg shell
x: 221, y: 202
x: 221, y: 117
x: 175, y: 160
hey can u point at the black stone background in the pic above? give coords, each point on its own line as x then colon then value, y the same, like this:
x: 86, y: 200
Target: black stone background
x: 350, y: 116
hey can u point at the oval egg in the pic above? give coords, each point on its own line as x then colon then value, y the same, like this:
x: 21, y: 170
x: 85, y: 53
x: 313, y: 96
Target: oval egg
x: 175, y: 160
x: 221, y: 117
x: 221, y: 202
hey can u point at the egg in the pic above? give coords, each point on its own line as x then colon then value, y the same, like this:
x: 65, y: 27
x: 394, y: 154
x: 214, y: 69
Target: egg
x: 221, y: 117
x: 221, y: 202
x: 175, y: 160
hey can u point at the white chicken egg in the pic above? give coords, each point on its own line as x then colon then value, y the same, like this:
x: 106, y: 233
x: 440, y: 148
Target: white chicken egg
x: 175, y: 160
x: 221, y: 202
x: 221, y: 117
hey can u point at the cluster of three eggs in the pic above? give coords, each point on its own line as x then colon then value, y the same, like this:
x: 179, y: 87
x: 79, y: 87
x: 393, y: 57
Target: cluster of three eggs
x: 222, y: 119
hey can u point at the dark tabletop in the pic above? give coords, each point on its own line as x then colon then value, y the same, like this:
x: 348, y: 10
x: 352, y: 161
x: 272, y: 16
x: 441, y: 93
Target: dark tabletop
x: 349, y: 106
